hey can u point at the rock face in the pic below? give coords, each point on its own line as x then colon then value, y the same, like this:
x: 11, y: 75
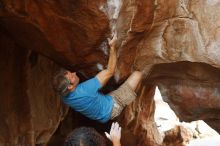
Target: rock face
x: 178, y: 136
x: 175, y: 42
x: 30, y: 112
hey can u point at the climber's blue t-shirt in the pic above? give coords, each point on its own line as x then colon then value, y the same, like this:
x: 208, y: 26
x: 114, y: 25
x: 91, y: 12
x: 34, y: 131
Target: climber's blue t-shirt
x: 87, y: 100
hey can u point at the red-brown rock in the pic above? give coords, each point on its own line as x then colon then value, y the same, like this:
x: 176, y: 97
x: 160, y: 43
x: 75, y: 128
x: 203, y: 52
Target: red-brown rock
x: 175, y: 42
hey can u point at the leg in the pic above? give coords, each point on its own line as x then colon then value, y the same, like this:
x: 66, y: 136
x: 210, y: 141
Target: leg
x: 134, y: 79
x: 125, y: 94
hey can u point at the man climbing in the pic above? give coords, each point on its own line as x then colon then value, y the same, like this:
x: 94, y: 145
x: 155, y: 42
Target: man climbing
x: 86, y: 98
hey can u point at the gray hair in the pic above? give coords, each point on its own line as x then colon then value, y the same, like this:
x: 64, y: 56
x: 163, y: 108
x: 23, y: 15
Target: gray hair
x: 61, y: 83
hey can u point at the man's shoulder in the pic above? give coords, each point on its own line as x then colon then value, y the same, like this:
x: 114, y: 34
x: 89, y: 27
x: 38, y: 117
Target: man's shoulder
x: 91, y: 85
x: 91, y: 81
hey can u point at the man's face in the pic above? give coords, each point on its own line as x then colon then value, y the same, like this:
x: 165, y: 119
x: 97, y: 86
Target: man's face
x: 72, y: 77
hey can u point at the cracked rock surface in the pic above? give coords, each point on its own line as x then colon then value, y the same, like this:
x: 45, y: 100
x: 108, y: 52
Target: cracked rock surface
x: 175, y: 42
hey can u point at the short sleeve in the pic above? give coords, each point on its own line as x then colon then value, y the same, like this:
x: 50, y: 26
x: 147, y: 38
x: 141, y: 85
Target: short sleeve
x: 92, y: 85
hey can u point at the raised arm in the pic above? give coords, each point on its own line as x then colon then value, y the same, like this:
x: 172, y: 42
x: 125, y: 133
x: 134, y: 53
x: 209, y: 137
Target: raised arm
x: 106, y: 74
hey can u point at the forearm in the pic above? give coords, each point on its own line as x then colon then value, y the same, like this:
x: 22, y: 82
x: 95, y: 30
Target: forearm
x: 106, y: 74
x: 112, y: 60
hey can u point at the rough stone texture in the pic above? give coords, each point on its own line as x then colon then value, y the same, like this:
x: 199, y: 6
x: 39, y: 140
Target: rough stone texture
x: 139, y: 120
x: 44, y: 104
x: 175, y: 31
x: 178, y: 136
x: 192, y: 94
x: 30, y: 112
x: 68, y: 31
x: 175, y: 42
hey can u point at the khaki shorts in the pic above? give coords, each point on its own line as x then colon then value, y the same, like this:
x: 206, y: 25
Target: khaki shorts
x: 123, y: 96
